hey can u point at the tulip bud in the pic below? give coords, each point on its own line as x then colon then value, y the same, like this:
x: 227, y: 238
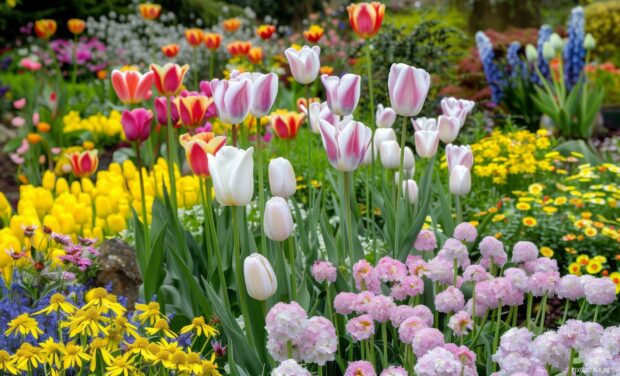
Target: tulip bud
x: 556, y: 41
x: 424, y: 124
x: 264, y: 91
x: 282, y: 180
x: 458, y: 108
x: 137, y: 124
x: 389, y: 154
x: 531, y: 53
x: 448, y: 127
x: 233, y: 99
x: 407, y: 174
x: 548, y: 51
x: 408, y: 159
x: 408, y: 87
x: 589, y: 43
x: 260, y: 280
x: 342, y: 93
x: 232, y: 173
x: 131, y: 87
x: 346, y: 144
x: 169, y: 78
x: 460, y: 181
x: 277, y: 219
x: 426, y: 143
x: 459, y: 155
x: 410, y: 189
x: 304, y: 64
x: 382, y: 135
x: 385, y: 117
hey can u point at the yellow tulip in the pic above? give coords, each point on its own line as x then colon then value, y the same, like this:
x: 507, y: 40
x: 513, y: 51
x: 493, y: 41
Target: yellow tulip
x: 48, y: 180
x: 87, y: 185
x: 51, y: 222
x: 102, y: 207
x: 76, y: 188
x: 116, y: 223
x: 61, y: 186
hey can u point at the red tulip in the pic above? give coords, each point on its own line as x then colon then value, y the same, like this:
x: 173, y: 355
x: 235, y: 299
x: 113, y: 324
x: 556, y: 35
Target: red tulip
x: 170, y: 50
x: 366, y: 18
x: 45, y: 28
x: 84, y: 163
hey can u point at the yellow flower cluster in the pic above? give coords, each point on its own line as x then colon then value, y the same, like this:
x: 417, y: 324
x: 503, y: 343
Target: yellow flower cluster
x: 86, y: 208
x: 103, y: 340
x: 502, y: 155
x: 602, y: 20
x: 99, y: 124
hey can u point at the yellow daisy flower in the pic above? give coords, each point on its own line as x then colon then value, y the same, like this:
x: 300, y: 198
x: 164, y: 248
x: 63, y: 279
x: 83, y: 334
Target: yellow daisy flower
x: 574, y: 268
x: 546, y: 251
x: 199, y: 326
x: 529, y: 221
x: 24, y: 325
x: 121, y: 365
x: 162, y: 326
x: 594, y: 267
x: 74, y: 355
x: 57, y: 303
x: 523, y: 206
x: 7, y: 363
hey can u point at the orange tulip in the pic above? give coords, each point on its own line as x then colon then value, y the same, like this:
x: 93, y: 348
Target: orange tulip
x: 286, y: 125
x: 76, y: 26
x: 239, y: 48
x: 84, y: 163
x: 169, y: 78
x: 326, y: 69
x: 255, y: 55
x: 265, y: 31
x: 194, y: 36
x: 314, y: 33
x: 212, y: 40
x: 170, y: 50
x: 231, y: 24
x: 44, y: 127
x: 366, y: 18
x: 45, y: 28
x: 34, y: 138
x: 196, y: 149
x: 149, y: 11
x: 193, y: 110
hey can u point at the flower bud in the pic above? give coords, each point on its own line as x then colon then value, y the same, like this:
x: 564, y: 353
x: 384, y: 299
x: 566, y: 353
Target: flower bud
x: 410, y: 190
x: 589, y: 43
x: 282, y: 180
x: 260, y: 280
x: 408, y: 159
x: 426, y: 143
x: 548, y: 51
x: 448, y: 127
x: 531, y: 53
x: 389, y: 153
x: 460, y: 181
x: 556, y: 41
x: 277, y: 220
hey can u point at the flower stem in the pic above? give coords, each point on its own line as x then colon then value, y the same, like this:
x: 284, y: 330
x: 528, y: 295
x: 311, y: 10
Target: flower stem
x: 565, y: 315
x: 528, y: 318
x: 571, y: 361
x: 145, y: 218
x: 346, y: 177
x: 239, y: 276
x: 370, y: 182
x: 171, y: 143
x: 234, y: 134
x: 384, y: 359
x: 195, y: 66
x: 403, y: 137
x: 291, y: 256
x: 596, y: 309
x: 496, y: 336
x: 457, y: 204
x: 212, y: 65
x: 261, y: 188
x: 543, y: 310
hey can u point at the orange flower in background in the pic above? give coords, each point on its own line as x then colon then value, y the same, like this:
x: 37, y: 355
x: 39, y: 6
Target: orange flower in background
x: 212, y: 40
x: 239, y: 48
x: 102, y: 74
x: 194, y: 36
x: 265, y: 31
x: 170, y: 50
x: 34, y: 138
x: 84, y: 163
x: 45, y: 28
x: 149, y: 11
x: 255, y: 55
x: 304, y: 102
x: 231, y: 24
x: 366, y: 18
x: 44, y: 127
x: 76, y: 26
x: 314, y: 33
x: 286, y: 124
x: 325, y: 69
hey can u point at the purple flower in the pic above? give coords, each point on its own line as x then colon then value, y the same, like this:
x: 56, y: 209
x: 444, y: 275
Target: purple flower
x: 409, y: 286
x: 475, y: 273
x: 545, y: 283
x: 380, y: 307
x: 344, y: 303
x: 541, y: 264
x: 390, y: 270
x: 318, y: 343
x: 461, y: 323
x: 362, y: 301
x: 286, y: 321
x: 438, y: 362
x: 454, y: 249
x: 440, y: 270
x: 290, y: 367
x: 601, y: 291
x: 518, y: 278
x: 366, y: 277
x: 409, y: 327
x: 570, y: 287
x: 416, y: 265
x: 424, y: 313
x: 394, y: 371
x: 492, y: 250
x: 449, y: 300
x: 550, y: 349
x: 401, y: 313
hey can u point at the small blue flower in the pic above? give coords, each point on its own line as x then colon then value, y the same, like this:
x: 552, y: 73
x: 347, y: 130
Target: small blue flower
x: 574, y: 51
x: 543, y: 36
x: 495, y: 77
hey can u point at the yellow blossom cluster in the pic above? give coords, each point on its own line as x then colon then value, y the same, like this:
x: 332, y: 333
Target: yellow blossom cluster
x: 102, y: 338
x: 98, y: 124
x: 502, y: 155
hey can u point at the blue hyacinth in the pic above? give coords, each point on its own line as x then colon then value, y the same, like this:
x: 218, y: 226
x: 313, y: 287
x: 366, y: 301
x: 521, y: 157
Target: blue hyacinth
x: 518, y: 67
x: 574, y: 51
x: 543, y: 36
x: 494, y: 76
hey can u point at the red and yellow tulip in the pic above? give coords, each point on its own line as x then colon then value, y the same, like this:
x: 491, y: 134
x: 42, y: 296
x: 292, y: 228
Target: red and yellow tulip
x: 170, y: 50
x: 169, y: 78
x: 366, y: 18
x: 314, y: 33
x: 76, y: 26
x: 193, y: 110
x: 149, y: 11
x: 84, y: 163
x: 212, y: 41
x: 255, y: 55
x: 239, y: 48
x: 45, y: 28
x: 265, y: 31
x: 194, y: 36
x: 286, y: 124
x: 196, y: 149
x: 231, y: 24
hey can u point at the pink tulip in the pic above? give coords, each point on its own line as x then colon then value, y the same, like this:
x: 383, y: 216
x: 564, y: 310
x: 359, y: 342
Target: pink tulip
x: 319, y: 111
x: 16, y: 158
x: 424, y: 124
x: 131, y: 87
x: 458, y: 108
x: 385, y: 117
x: 35, y: 118
x: 162, y: 113
x: 169, y: 78
x: 346, y: 144
x: 264, y: 91
x: 19, y: 104
x: 18, y: 121
x: 30, y: 64
x: 408, y: 87
x: 23, y: 148
x: 205, y: 88
x: 459, y: 156
x: 448, y: 127
x: 342, y: 93
x: 233, y: 99
x: 137, y: 124
x: 426, y: 143
x: 304, y: 64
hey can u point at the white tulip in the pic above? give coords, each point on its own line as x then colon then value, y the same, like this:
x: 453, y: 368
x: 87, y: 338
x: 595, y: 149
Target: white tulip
x: 277, y: 220
x: 389, y: 154
x: 410, y: 190
x: 460, y: 181
x: 282, y: 181
x: 232, y: 172
x: 260, y: 280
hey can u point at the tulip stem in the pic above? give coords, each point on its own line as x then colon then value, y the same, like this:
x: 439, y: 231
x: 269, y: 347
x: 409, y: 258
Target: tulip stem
x: 195, y: 63
x: 457, y: 204
x: 234, y: 135
x: 291, y: 256
x: 370, y: 181
x: 170, y: 154
x: 346, y: 177
x: 145, y: 220
x: 496, y: 336
x: 241, y: 289
x: 261, y: 188
x: 309, y: 177
x: 212, y: 65
x: 403, y: 137
x: 528, y: 317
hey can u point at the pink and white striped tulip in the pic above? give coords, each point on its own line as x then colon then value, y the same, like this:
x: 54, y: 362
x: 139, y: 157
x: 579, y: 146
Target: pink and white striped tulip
x: 264, y: 91
x: 426, y: 143
x: 319, y: 111
x: 137, y: 124
x: 458, y: 108
x: 460, y: 181
x: 343, y: 93
x: 459, y: 156
x: 132, y: 87
x: 424, y: 124
x: 448, y: 127
x: 233, y: 99
x: 304, y: 64
x: 410, y: 190
x: 385, y: 116
x: 408, y: 87
x: 346, y: 144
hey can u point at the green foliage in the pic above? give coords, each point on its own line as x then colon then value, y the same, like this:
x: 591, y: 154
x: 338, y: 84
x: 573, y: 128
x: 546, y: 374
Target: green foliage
x: 602, y: 19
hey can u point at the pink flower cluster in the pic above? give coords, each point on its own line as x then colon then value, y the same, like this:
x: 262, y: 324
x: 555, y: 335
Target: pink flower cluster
x: 448, y: 359
x: 324, y: 271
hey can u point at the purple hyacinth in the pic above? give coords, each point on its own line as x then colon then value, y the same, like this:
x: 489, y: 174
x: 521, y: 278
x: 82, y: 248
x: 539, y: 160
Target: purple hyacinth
x: 575, y: 52
x: 494, y: 76
x: 543, y: 36
x: 518, y: 67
